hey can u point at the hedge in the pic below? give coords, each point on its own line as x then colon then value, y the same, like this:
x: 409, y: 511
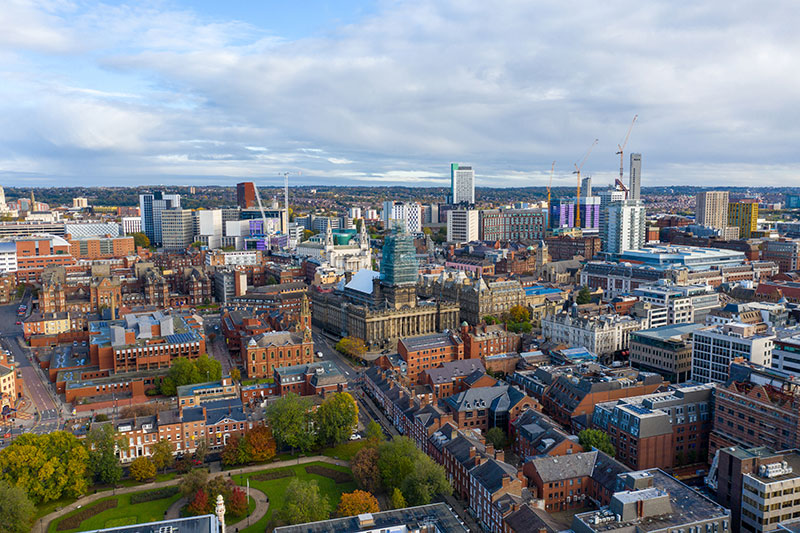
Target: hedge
x: 74, y: 521
x: 156, y: 494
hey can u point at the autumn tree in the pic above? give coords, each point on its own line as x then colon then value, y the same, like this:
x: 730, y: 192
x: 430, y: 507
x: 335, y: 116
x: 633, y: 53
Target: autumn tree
x: 595, y: 438
x: 365, y: 468
x: 201, y: 451
x: 291, y: 422
x: 199, y: 504
x: 519, y: 313
x: 303, y: 503
x: 16, y: 509
x: 47, y: 467
x: 193, y: 481
x: 356, y: 503
x: 162, y: 455
x: 142, y: 468
x: 140, y: 240
x: 236, y: 451
x: 237, y: 505
x: 103, y: 463
x: 336, y: 418
x: 351, y: 346
x: 236, y: 375
x: 262, y: 444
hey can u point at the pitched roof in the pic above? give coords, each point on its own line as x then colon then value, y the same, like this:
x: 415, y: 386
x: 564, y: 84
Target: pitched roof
x: 565, y: 467
x: 491, y: 473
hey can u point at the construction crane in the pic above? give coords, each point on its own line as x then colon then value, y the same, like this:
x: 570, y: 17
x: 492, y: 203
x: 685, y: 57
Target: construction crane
x: 261, y: 208
x: 578, y: 172
x: 622, y: 145
x: 549, y: 185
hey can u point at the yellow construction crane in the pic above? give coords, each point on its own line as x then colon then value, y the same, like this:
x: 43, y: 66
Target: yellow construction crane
x: 622, y: 147
x: 578, y: 197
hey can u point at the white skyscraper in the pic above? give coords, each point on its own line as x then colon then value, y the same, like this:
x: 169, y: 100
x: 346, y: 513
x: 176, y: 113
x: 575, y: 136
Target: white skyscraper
x: 462, y: 184
x: 409, y: 213
x: 624, y: 226
x: 635, y: 184
x: 462, y: 225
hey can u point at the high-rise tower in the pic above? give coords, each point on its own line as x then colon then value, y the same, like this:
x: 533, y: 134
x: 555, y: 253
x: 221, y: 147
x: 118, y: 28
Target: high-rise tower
x: 635, y: 184
x: 462, y: 184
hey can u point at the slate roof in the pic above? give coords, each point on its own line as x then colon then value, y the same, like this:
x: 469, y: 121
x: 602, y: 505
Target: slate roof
x: 454, y: 369
x: 565, y: 467
x: 497, y: 398
x: 490, y: 474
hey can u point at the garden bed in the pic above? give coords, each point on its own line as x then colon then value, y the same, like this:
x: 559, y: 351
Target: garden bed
x: 330, y: 473
x: 75, y: 520
x: 276, y: 474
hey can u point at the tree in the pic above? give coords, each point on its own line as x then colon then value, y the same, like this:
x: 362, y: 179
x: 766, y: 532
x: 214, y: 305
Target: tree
x: 519, y: 327
x: 374, y: 432
x: 162, y: 455
x: 47, y: 467
x: 396, y: 460
x: 103, y: 463
x: 426, y: 481
x: 237, y: 505
x: 236, y: 451
x: 359, y: 223
x: 193, y: 481
x: 595, y: 438
x: 584, y: 296
x: 290, y: 420
x: 142, y: 468
x: 262, y: 444
x: 219, y: 485
x: 140, y: 240
x: 497, y: 437
x: 490, y: 320
x: 16, y: 510
x: 201, y: 451
x: 304, y: 503
x: 351, y: 346
x: 356, y: 503
x: 236, y: 375
x: 336, y: 418
x: 199, y: 504
x: 183, y: 465
x: 519, y: 313
x: 307, y: 234
x: 398, y: 501
x: 208, y: 369
x: 402, y: 465
x: 365, y: 468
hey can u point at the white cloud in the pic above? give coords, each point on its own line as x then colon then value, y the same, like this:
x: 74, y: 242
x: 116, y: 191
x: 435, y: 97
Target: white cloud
x: 506, y: 86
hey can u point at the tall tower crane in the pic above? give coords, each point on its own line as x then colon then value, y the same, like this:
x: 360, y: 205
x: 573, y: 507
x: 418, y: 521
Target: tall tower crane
x: 549, y: 185
x: 578, y: 197
x: 621, y: 147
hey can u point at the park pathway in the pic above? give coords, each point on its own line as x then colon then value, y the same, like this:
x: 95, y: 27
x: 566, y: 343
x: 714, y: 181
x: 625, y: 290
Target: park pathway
x: 43, y: 523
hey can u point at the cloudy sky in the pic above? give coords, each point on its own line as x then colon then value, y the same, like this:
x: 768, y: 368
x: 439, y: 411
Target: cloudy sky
x: 390, y: 92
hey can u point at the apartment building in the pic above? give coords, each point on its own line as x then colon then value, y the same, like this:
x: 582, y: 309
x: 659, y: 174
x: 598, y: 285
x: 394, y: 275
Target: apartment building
x: 462, y: 225
x: 535, y: 434
x: 711, y: 209
x: 495, y: 488
x: 660, y: 430
x: 715, y: 347
x: 513, y: 224
x: 744, y: 215
x: 487, y: 340
x: 456, y: 376
x: 101, y: 247
x: 783, y: 252
x: 786, y: 353
x: 666, y: 350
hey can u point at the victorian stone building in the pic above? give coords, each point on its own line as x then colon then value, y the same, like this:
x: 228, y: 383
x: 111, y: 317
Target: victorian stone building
x: 476, y: 297
x: 380, y: 308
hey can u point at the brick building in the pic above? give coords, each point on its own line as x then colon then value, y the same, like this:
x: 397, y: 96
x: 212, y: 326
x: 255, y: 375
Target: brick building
x: 661, y: 430
x: 429, y: 351
x: 265, y: 352
x: 487, y: 407
x: 565, y: 248
x: 456, y: 376
x: 486, y: 340
x: 320, y: 378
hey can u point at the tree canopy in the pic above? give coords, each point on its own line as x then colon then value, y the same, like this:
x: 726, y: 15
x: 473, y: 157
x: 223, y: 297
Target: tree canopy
x: 142, y: 469
x: 47, y: 467
x: 336, y: 418
x: 188, y: 372
x: 356, y: 503
x: 140, y: 240
x: 404, y: 466
x: 16, y: 509
x: 303, y: 503
x: 290, y: 419
x: 351, y: 346
x: 584, y: 296
x: 103, y: 463
x: 595, y: 438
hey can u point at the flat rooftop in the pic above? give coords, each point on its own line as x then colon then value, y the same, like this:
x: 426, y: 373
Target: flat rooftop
x: 399, y: 520
x: 665, y: 333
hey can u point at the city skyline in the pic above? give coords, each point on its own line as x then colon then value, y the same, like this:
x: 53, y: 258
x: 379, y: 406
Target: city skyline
x: 387, y: 93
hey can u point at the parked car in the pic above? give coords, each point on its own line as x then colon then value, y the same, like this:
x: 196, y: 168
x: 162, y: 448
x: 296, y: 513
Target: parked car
x: 319, y: 354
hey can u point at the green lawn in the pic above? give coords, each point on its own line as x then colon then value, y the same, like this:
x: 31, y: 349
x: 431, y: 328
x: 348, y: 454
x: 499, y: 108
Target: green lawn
x: 346, y: 450
x: 275, y: 489
x: 44, y: 509
x: 123, y: 514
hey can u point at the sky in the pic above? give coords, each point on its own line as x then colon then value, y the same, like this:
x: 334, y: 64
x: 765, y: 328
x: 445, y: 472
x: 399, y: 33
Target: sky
x: 391, y: 92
